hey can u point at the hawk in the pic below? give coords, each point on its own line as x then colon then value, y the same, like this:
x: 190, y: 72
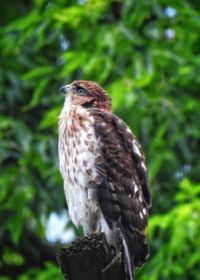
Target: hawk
x: 104, y: 172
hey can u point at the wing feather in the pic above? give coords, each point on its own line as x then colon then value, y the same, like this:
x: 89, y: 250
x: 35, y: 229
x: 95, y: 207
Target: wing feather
x: 124, y: 194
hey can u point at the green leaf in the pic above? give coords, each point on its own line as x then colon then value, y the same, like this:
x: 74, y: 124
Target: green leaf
x: 38, y: 72
x: 50, y: 119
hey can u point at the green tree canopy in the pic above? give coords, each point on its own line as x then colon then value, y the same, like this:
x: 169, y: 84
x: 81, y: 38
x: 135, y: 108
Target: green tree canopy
x: 146, y: 55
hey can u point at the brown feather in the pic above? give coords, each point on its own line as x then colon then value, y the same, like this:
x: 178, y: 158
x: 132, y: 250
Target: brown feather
x: 129, y: 198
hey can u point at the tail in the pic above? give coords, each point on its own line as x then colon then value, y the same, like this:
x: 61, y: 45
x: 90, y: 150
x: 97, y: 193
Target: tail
x: 127, y: 261
x: 135, y: 251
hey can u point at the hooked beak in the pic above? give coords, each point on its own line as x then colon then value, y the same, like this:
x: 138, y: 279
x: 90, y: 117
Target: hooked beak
x: 66, y: 89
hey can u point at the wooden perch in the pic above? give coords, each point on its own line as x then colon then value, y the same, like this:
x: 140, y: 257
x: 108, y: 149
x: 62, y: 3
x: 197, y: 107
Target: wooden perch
x: 91, y: 258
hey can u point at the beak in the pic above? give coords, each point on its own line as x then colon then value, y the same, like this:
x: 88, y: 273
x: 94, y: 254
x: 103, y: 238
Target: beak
x: 66, y: 89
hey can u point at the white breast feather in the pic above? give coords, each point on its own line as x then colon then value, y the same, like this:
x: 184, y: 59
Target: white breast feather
x: 80, y: 193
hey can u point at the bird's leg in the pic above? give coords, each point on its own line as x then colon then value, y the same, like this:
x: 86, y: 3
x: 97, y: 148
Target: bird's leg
x: 97, y: 231
x: 114, y: 260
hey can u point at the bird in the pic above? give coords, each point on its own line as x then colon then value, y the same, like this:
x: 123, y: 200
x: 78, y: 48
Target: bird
x: 104, y: 171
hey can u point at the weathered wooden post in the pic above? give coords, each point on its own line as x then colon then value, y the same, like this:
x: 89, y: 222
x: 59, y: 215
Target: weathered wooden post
x: 91, y: 258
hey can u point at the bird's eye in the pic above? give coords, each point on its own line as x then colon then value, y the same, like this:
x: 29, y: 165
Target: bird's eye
x: 80, y: 91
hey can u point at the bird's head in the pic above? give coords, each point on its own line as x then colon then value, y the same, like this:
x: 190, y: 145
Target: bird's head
x: 87, y: 94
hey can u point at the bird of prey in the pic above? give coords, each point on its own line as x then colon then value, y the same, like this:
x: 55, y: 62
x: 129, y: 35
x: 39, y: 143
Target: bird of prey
x: 104, y: 172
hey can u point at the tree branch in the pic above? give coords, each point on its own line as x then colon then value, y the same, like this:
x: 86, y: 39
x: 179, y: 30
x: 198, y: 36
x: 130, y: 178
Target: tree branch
x: 91, y: 258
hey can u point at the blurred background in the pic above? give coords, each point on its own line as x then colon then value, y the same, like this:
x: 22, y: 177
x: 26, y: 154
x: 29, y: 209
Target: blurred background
x: 146, y: 54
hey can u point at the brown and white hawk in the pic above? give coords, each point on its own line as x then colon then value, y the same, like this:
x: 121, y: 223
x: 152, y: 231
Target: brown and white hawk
x: 104, y: 172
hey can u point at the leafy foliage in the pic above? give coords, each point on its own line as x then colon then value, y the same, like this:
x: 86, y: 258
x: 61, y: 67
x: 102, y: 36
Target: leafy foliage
x: 146, y: 54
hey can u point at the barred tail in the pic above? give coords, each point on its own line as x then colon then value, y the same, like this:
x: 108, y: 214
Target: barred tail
x: 135, y: 251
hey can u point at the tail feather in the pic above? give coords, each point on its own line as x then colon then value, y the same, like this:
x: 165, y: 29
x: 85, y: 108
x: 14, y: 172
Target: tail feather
x: 138, y: 248
x: 127, y: 261
x: 135, y: 251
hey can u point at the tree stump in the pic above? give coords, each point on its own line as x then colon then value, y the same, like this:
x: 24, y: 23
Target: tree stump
x: 91, y: 258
